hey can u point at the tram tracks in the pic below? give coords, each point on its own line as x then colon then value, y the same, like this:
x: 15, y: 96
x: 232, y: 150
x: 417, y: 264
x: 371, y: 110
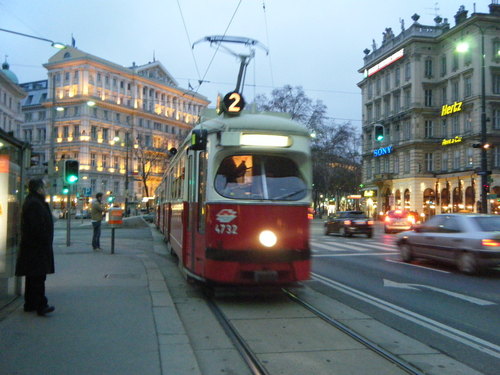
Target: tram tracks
x: 258, y: 367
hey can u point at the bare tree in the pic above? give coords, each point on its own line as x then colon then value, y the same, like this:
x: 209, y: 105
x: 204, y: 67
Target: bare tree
x: 335, y: 148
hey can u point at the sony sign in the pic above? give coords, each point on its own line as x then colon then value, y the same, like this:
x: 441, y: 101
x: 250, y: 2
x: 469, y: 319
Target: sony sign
x: 383, y: 151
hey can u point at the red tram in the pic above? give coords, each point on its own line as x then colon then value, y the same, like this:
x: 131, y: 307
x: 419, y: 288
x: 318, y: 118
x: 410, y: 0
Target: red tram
x: 233, y: 204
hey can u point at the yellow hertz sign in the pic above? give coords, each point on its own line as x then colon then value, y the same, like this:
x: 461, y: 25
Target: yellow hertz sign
x: 451, y: 141
x: 449, y: 109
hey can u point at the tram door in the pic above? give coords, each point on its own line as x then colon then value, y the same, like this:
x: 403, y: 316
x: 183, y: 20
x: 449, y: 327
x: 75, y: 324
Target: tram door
x: 196, y: 214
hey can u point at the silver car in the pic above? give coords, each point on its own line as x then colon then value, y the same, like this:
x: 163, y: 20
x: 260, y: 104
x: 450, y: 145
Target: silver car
x: 471, y: 241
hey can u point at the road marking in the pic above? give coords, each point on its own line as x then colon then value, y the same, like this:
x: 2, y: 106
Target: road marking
x: 417, y: 266
x: 336, y: 247
x: 450, y: 332
x: 348, y: 255
x: 477, y: 301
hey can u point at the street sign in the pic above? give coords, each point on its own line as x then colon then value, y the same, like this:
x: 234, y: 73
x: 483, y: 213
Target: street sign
x: 87, y: 191
x: 491, y: 196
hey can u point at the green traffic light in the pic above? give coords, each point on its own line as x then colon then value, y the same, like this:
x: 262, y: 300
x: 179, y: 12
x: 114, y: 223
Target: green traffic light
x: 72, y: 179
x: 65, y: 190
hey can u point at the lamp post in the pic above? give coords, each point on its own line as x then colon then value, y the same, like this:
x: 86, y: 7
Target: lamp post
x: 51, y: 164
x: 463, y: 47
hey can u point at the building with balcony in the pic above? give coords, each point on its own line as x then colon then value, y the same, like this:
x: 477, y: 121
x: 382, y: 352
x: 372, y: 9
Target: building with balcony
x: 118, y: 122
x: 428, y: 98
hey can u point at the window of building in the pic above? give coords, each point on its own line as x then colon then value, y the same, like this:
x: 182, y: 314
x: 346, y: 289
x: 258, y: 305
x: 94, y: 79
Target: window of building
x: 397, y: 76
x: 396, y: 164
x: 455, y: 61
x: 77, y: 111
x: 377, y: 165
x: 105, y: 134
x: 76, y: 76
x: 467, y: 123
x: 93, y: 185
x: 116, y: 162
x: 407, y: 71
x: 407, y: 163
x: 428, y: 68
x: 104, y: 185
x: 444, y: 95
x: 496, y: 118
x: 104, y: 161
x: 378, y: 85
x: 496, y: 157
x: 429, y: 129
x: 28, y: 135
x: 455, y: 126
x: 406, y: 130
x: 470, y: 157
x: 444, y: 161
x: 456, y: 159
x: 428, y: 97
x: 42, y: 134
x: 116, y: 187
x: 444, y: 128
x: 99, y: 77
x: 496, y: 83
x: 429, y: 162
x: 387, y: 81
x: 467, y: 86
x: 387, y: 106
x: 407, y: 98
x: 65, y: 131
x: 397, y: 102
x: 92, y: 160
x: 28, y: 116
x: 454, y: 90
x: 29, y: 99
x: 370, y: 90
x: 93, y: 133
x: 76, y: 130
x: 443, y: 66
x: 106, y: 115
x: 369, y: 170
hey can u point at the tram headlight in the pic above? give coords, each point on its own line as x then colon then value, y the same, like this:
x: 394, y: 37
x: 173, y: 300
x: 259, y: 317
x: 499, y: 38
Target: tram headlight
x: 268, y: 238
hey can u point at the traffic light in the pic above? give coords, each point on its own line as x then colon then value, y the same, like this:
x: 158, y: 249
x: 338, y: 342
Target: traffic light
x: 486, y: 188
x: 65, y: 190
x: 111, y: 197
x: 70, y: 174
x: 486, y: 146
x: 379, y: 132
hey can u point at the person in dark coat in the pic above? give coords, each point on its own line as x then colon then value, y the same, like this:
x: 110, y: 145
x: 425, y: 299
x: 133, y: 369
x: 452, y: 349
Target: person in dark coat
x: 36, y: 255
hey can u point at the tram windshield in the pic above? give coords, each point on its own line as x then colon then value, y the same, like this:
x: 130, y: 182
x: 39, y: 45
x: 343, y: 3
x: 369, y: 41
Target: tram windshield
x: 260, y: 177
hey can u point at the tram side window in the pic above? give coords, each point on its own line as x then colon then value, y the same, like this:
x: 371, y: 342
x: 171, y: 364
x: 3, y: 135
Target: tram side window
x: 259, y: 177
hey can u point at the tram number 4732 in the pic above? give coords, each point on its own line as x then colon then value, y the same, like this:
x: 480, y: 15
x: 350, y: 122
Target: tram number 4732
x: 226, y: 229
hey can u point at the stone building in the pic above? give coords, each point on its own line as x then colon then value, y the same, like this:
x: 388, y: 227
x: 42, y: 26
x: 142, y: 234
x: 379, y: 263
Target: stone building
x: 118, y: 122
x: 428, y: 97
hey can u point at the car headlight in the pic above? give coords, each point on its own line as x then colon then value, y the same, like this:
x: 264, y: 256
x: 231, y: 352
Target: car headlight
x: 268, y: 238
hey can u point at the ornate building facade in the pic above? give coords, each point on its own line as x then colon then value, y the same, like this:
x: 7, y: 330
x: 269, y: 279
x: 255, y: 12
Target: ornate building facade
x: 428, y: 98
x: 118, y: 122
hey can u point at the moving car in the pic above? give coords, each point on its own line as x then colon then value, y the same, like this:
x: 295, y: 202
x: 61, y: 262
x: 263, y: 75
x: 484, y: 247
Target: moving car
x: 470, y: 241
x: 398, y: 221
x: 347, y: 223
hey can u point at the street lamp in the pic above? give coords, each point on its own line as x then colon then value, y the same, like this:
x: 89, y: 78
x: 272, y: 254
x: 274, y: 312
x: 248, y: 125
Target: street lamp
x: 51, y: 164
x: 464, y: 47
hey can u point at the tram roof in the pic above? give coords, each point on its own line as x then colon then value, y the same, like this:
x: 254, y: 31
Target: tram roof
x: 275, y: 123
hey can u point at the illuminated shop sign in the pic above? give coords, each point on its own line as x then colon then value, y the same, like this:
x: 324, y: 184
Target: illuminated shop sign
x: 384, y: 63
x: 383, y: 151
x: 368, y: 193
x: 449, y: 109
x: 451, y: 141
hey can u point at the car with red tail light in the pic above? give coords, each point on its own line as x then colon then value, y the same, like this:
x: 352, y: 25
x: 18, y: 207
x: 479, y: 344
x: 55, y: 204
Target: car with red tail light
x: 398, y: 221
x: 469, y: 241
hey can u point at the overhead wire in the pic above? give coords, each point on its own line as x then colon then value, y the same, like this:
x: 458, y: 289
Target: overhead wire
x: 189, y: 41
x: 268, y: 42
x: 218, y: 45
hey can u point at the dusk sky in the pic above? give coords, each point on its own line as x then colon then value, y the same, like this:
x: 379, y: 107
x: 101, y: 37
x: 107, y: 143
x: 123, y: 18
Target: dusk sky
x: 316, y: 44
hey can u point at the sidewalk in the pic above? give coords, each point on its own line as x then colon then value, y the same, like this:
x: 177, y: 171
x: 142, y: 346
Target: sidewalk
x: 114, y: 313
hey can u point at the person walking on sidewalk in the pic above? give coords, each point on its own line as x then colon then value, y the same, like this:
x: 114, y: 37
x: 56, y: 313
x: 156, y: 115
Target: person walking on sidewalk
x: 96, y: 212
x: 36, y: 255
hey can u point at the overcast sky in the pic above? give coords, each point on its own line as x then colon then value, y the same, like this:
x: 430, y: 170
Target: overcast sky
x: 316, y: 44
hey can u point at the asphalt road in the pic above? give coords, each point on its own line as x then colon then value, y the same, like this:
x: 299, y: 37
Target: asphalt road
x: 454, y: 313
